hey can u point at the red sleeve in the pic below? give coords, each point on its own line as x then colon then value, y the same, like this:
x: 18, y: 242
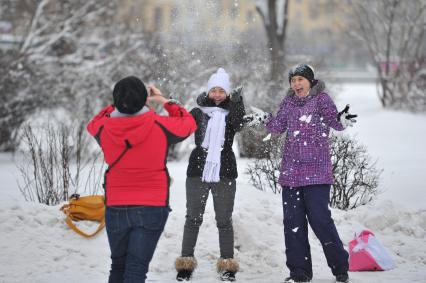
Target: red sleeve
x: 179, y: 125
x: 175, y: 110
x: 94, y: 124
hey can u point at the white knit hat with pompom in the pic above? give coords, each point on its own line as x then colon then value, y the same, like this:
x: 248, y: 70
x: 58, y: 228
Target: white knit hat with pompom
x: 219, y: 79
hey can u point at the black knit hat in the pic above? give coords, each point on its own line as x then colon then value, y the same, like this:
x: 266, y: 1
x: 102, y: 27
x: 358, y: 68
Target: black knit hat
x: 303, y: 70
x: 129, y: 95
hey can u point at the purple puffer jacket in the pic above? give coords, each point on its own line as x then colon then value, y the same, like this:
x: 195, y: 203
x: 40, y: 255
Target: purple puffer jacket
x: 306, y: 154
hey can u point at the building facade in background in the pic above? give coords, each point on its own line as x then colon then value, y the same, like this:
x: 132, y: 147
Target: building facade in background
x: 208, y: 19
x: 226, y: 18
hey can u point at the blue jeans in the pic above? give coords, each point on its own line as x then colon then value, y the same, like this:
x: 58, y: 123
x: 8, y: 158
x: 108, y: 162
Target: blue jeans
x: 310, y: 204
x: 133, y: 233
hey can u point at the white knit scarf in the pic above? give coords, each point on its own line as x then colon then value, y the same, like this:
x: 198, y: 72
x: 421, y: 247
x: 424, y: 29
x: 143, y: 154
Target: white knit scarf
x: 213, y: 141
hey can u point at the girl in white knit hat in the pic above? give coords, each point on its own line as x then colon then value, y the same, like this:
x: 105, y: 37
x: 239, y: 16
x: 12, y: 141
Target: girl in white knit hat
x: 212, y: 168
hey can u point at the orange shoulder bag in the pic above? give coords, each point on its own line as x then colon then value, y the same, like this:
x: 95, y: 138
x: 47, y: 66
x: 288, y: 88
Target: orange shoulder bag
x: 85, y: 208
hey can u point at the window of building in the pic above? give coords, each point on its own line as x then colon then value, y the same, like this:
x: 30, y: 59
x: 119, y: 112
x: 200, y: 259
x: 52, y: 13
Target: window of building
x: 313, y: 11
x: 249, y: 16
x: 233, y: 12
x: 174, y: 14
x: 329, y: 7
x: 219, y: 6
x: 158, y: 18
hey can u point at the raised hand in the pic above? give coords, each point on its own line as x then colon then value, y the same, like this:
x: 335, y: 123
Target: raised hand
x: 346, y: 118
x: 236, y: 94
x: 153, y: 91
x: 155, y: 95
x: 202, y: 98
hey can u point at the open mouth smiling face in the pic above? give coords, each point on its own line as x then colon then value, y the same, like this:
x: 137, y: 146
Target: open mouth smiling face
x: 300, y: 85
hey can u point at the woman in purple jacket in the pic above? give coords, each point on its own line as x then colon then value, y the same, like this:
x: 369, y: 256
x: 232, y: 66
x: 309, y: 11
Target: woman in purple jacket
x: 307, y: 113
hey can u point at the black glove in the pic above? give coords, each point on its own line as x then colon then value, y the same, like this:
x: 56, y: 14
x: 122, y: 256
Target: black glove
x: 346, y: 118
x: 202, y: 99
x: 236, y: 94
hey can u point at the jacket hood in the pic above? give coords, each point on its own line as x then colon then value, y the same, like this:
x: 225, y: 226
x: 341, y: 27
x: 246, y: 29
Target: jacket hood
x: 135, y: 129
x: 318, y: 88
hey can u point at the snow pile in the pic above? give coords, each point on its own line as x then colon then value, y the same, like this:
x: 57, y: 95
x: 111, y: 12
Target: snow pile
x: 36, y: 244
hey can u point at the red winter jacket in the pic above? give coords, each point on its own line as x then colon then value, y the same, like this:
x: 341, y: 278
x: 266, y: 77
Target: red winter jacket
x: 140, y: 177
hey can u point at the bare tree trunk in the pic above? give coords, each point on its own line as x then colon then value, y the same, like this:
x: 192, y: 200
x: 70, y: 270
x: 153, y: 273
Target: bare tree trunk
x: 275, y: 25
x: 389, y: 46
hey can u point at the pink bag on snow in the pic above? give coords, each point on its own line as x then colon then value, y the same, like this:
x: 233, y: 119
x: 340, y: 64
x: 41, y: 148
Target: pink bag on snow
x: 367, y: 254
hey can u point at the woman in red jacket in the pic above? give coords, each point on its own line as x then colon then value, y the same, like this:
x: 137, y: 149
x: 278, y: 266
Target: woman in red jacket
x: 135, y: 141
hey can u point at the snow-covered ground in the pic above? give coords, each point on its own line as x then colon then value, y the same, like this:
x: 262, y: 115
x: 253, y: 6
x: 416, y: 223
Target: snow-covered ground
x: 37, y: 246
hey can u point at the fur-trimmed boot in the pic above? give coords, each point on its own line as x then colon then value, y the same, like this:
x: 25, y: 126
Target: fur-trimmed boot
x: 185, y: 265
x: 227, y: 269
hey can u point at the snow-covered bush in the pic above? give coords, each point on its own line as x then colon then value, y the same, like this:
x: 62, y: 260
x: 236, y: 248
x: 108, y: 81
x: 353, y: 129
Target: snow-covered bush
x: 55, y: 164
x: 264, y: 170
x: 44, y: 71
x: 356, y: 178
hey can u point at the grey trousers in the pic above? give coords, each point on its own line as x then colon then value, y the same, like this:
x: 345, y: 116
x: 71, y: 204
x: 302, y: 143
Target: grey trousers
x: 197, y: 193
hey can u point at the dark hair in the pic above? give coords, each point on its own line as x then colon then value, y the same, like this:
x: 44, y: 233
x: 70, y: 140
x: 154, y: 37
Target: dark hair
x: 129, y: 95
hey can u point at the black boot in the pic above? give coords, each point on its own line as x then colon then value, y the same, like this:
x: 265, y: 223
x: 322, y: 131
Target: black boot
x: 185, y: 265
x: 227, y: 276
x: 297, y: 279
x: 342, y: 278
x: 183, y: 275
x: 227, y: 268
